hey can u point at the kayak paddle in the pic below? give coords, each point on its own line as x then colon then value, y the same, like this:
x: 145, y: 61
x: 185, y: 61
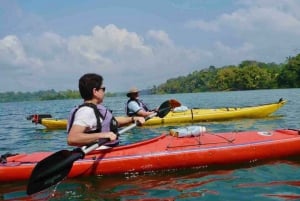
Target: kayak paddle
x: 57, y: 166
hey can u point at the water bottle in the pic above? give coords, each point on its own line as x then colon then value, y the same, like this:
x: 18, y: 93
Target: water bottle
x: 188, y: 131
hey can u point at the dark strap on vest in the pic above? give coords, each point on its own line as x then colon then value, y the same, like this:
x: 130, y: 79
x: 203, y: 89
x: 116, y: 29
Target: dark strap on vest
x: 97, y: 114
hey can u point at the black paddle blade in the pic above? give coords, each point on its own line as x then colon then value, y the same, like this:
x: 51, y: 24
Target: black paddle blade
x: 52, y: 169
x: 166, y: 106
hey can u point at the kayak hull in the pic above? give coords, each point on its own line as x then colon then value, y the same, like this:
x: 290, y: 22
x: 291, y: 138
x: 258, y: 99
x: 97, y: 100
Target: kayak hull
x: 193, y: 115
x: 51, y: 123
x: 218, y: 114
x: 166, y: 152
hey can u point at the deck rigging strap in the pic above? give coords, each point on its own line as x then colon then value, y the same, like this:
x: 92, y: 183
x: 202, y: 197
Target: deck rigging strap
x: 3, y: 158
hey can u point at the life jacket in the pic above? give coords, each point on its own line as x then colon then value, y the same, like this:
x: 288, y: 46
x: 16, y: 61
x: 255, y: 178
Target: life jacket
x: 105, y: 120
x: 140, y: 103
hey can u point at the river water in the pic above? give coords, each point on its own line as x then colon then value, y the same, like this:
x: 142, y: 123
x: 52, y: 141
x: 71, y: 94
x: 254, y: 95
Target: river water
x: 279, y: 180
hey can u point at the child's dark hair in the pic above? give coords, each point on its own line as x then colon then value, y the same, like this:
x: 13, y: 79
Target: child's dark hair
x: 87, y: 83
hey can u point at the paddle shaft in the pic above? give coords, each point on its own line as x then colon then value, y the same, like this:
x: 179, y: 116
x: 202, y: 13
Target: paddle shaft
x: 86, y: 149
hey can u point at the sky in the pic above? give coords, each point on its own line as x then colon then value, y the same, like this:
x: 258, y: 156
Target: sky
x: 49, y: 44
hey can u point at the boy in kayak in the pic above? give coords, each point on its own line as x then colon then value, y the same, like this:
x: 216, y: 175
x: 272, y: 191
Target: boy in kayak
x: 134, y: 106
x: 91, y: 120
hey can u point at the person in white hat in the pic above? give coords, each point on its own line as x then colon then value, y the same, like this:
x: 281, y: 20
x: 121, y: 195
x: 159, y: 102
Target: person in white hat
x: 134, y: 106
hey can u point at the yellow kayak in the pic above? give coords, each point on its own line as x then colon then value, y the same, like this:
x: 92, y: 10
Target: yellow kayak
x: 188, y: 115
x: 218, y: 114
x: 51, y: 123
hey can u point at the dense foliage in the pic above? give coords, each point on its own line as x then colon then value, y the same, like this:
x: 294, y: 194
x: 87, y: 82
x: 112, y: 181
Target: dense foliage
x: 249, y: 75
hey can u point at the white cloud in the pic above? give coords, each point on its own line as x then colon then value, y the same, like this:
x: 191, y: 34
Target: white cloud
x: 260, y: 15
x: 263, y: 29
x: 160, y: 36
x: 12, y: 53
x: 107, y: 43
x: 123, y: 57
x: 40, y: 58
x: 232, y: 55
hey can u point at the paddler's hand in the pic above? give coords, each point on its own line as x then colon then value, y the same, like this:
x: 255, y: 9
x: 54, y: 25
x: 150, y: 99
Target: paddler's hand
x: 111, y: 135
x: 139, y: 120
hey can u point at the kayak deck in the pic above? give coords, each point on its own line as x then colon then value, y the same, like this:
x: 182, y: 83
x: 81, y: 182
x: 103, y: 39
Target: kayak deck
x: 218, y: 114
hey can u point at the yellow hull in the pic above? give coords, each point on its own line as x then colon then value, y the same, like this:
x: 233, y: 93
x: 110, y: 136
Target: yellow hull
x: 218, y: 114
x: 194, y: 115
x: 52, y: 123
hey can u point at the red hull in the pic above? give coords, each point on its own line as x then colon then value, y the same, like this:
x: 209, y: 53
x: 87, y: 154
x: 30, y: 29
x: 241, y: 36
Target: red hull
x: 168, y: 152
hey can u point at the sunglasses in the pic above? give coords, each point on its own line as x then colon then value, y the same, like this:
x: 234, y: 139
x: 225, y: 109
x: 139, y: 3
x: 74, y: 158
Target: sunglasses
x: 103, y: 89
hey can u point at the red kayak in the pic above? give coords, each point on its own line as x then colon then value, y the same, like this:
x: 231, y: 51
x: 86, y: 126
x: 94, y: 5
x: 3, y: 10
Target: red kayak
x: 169, y: 152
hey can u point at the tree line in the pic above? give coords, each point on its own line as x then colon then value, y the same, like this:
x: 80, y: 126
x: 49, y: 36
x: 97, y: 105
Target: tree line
x: 248, y: 75
x: 42, y: 95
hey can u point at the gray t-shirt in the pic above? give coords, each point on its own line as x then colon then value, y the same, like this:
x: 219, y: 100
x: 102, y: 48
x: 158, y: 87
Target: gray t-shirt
x: 134, y: 107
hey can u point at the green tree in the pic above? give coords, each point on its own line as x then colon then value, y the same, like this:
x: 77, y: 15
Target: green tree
x: 290, y: 74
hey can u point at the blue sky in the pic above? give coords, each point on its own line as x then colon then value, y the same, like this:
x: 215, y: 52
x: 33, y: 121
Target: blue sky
x: 49, y: 44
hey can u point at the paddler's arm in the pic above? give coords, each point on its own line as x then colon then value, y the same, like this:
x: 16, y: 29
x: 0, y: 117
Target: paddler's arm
x: 77, y: 137
x: 123, y: 121
x: 144, y: 113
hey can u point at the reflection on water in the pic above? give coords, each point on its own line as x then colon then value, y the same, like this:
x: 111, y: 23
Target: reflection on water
x: 187, y: 185
x: 267, y: 181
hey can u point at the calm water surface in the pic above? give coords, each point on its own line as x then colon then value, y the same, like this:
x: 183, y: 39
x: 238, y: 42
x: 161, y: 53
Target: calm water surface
x: 279, y: 180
